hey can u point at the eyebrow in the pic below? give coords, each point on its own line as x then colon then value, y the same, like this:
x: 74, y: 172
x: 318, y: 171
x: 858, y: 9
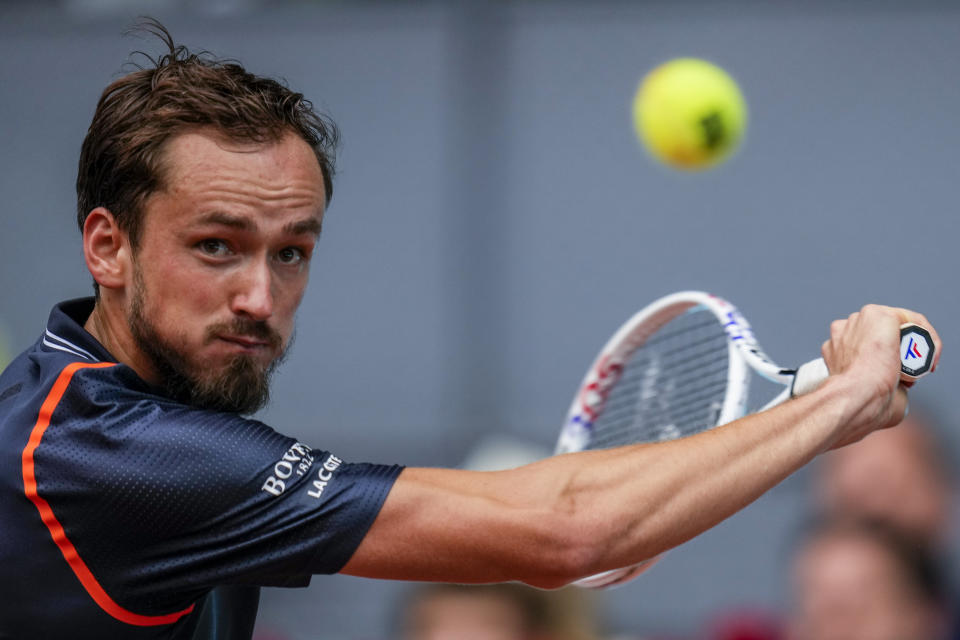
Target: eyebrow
x: 311, y: 225
x: 227, y: 220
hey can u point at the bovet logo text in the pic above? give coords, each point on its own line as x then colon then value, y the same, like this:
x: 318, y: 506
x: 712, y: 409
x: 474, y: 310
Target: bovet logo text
x: 297, y: 460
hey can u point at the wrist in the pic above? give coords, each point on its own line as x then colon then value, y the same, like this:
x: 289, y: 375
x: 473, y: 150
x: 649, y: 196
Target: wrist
x: 851, y: 408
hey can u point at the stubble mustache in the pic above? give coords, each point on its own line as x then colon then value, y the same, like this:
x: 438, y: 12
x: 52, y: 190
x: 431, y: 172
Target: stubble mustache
x: 246, y: 328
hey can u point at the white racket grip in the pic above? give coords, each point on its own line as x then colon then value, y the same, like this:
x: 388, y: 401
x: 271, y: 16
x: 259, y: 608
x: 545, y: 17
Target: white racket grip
x: 809, y: 376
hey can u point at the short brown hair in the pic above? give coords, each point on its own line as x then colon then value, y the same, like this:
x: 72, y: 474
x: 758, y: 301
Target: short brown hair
x: 120, y: 160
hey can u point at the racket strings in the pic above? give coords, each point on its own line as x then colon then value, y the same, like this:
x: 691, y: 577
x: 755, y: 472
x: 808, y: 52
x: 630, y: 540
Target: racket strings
x: 713, y: 366
x: 622, y: 403
x: 664, y: 424
x: 670, y: 333
x: 691, y: 403
x: 690, y: 366
x: 673, y: 385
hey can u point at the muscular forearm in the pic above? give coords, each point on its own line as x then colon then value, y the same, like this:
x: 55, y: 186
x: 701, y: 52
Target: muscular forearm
x: 569, y: 516
x: 564, y: 517
x: 649, y: 498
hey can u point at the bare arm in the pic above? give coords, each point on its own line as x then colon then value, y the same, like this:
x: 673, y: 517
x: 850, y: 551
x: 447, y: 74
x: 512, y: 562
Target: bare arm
x: 559, y: 519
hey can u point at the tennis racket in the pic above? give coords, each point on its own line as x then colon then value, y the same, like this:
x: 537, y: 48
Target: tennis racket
x: 683, y: 365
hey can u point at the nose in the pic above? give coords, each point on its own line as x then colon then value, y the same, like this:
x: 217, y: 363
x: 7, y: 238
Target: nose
x: 254, y: 294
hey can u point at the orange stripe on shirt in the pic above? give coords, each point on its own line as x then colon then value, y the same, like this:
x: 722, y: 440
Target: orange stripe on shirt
x: 57, y: 532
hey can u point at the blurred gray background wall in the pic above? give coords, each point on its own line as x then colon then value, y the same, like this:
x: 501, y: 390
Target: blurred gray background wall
x: 495, y: 218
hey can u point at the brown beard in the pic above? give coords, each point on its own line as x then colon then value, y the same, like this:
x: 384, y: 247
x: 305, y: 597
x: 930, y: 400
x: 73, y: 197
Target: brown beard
x: 242, y: 386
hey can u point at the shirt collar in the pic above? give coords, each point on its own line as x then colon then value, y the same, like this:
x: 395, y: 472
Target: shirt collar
x: 65, y: 331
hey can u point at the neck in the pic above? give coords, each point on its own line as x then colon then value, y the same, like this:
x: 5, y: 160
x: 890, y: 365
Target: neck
x: 108, y: 324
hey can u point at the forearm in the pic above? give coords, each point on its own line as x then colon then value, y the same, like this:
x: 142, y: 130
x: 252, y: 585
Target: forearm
x: 649, y: 498
x: 567, y: 516
x: 570, y: 516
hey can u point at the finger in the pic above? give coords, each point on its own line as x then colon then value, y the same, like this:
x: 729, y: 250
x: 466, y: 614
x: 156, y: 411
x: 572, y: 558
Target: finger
x: 826, y: 351
x: 836, y: 328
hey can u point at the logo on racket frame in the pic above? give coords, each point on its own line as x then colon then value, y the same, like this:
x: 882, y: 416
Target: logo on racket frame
x: 740, y: 333
x: 594, y: 394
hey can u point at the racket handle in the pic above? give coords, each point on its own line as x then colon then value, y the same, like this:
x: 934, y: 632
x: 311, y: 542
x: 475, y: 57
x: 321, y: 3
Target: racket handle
x: 809, y: 376
x: 916, y: 351
x: 916, y: 358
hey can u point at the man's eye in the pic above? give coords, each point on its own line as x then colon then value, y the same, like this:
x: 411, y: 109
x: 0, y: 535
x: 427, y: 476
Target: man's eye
x: 213, y: 247
x: 290, y: 256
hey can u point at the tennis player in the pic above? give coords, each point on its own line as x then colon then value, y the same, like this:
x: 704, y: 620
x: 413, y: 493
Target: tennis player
x: 136, y: 501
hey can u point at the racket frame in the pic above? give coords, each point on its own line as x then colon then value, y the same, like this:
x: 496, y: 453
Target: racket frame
x: 743, y: 351
x: 744, y: 354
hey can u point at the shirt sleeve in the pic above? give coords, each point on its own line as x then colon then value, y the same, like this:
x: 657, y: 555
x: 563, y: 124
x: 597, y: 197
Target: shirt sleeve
x: 162, y: 501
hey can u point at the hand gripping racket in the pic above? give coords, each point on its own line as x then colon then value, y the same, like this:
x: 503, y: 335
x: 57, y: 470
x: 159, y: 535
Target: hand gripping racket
x: 680, y: 366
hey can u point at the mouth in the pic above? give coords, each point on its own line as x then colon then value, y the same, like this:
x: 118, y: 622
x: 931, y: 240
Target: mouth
x: 247, y: 343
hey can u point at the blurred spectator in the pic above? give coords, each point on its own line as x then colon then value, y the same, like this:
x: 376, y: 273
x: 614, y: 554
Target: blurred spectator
x: 897, y: 475
x: 898, y: 478
x: 496, y: 612
x: 859, y: 580
x: 744, y: 624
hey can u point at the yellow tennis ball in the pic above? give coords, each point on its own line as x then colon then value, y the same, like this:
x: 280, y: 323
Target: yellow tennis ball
x: 689, y: 113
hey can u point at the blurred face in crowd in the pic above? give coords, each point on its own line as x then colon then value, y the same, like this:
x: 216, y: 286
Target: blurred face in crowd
x: 850, y: 587
x: 894, y: 475
x: 466, y: 616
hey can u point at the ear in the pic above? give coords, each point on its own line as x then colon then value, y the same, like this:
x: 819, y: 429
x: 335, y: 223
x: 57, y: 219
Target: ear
x: 106, y: 249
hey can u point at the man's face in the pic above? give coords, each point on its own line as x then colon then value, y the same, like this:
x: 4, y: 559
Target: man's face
x: 222, y: 265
